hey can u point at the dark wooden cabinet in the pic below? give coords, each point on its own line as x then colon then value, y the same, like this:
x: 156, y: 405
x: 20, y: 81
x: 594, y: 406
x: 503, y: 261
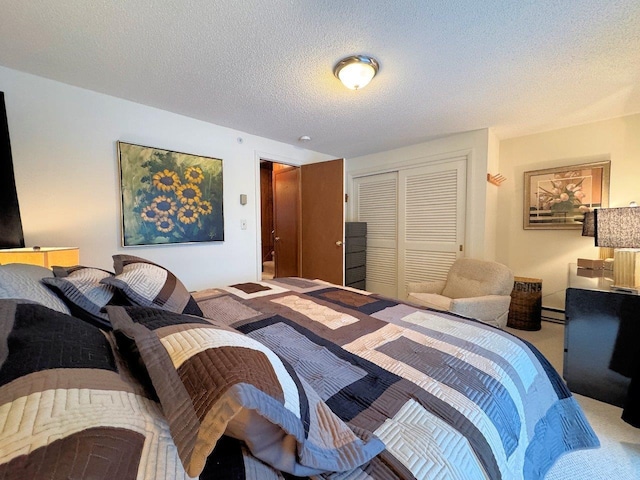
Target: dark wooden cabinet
x: 602, y: 341
x: 355, y: 256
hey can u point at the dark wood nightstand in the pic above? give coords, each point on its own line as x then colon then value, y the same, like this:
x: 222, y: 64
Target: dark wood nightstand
x: 602, y: 341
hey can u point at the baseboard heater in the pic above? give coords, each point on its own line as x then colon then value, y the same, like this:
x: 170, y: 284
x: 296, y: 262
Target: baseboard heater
x: 550, y: 314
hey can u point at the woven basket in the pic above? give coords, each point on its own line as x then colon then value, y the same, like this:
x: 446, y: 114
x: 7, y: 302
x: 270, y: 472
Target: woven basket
x: 525, y: 311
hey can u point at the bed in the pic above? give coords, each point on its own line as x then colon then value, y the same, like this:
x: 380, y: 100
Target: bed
x: 126, y: 374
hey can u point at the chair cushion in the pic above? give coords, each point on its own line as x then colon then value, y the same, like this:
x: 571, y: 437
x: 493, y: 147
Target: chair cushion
x: 431, y: 300
x: 474, y: 278
x: 488, y: 308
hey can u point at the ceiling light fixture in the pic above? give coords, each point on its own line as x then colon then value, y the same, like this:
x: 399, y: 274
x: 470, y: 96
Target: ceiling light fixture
x: 356, y: 72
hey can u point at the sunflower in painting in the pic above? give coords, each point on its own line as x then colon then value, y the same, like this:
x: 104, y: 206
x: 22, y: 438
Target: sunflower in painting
x: 149, y: 214
x: 189, y: 194
x: 166, y: 180
x: 205, y: 208
x: 194, y: 175
x: 165, y: 224
x: 188, y: 214
x: 164, y: 205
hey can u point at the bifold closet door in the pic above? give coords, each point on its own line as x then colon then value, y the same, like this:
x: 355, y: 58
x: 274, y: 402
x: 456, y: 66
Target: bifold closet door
x: 431, y: 218
x: 376, y: 203
x: 415, y: 223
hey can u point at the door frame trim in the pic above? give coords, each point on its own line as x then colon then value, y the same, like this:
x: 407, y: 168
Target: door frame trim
x: 267, y: 157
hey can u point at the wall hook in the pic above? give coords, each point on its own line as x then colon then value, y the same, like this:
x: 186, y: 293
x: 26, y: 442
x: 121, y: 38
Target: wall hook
x: 495, y: 179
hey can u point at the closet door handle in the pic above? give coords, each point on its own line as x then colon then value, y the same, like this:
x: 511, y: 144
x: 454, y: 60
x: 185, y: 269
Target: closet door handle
x: 339, y: 243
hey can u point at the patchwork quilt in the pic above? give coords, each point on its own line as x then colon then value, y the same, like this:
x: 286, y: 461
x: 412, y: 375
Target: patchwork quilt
x: 449, y: 397
x: 289, y: 375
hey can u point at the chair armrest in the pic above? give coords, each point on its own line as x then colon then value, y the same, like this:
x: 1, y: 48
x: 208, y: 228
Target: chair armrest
x: 486, y: 308
x: 435, y: 286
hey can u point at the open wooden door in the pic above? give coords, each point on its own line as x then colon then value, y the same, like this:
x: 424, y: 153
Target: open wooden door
x: 286, y: 219
x: 322, y: 191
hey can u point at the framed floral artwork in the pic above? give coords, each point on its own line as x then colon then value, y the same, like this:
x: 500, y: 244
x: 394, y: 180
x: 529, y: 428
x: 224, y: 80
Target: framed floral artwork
x: 169, y: 197
x: 557, y: 198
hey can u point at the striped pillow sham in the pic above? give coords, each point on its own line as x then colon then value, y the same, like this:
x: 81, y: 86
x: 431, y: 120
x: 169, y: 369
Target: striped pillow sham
x: 81, y: 290
x: 147, y: 284
x: 212, y: 380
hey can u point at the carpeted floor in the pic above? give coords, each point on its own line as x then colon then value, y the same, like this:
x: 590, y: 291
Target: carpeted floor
x: 618, y: 457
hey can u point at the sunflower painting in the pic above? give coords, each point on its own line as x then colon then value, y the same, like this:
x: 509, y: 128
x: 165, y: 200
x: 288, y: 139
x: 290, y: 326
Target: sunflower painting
x: 169, y: 197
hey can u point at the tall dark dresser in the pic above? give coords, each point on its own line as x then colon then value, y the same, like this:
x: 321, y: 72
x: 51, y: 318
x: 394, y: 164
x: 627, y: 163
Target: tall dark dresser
x: 355, y: 256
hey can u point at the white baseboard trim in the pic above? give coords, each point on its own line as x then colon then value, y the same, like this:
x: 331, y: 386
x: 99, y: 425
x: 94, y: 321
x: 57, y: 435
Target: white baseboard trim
x: 550, y: 314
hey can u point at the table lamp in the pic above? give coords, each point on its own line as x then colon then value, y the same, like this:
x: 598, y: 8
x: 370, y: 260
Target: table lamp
x: 619, y: 228
x: 589, y: 230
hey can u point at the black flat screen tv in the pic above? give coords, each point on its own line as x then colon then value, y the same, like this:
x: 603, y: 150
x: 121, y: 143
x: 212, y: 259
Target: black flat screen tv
x: 11, y: 235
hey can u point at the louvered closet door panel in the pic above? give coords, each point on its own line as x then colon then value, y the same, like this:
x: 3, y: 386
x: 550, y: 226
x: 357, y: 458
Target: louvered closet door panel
x: 421, y: 266
x: 431, y: 221
x: 376, y: 203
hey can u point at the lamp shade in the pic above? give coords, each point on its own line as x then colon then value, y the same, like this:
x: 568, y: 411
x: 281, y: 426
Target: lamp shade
x: 356, y: 72
x: 617, y: 227
x: 589, y: 225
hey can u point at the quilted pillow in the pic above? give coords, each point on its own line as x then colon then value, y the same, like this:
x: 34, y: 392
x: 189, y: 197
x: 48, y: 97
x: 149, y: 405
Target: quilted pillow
x: 82, y: 291
x: 212, y: 380
x: 18, y: 280
x: 146, y: 284
x: 68, y: 410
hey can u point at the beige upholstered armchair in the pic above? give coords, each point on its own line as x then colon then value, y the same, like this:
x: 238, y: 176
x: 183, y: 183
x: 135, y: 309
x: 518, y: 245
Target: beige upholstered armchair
x: 473, y: 288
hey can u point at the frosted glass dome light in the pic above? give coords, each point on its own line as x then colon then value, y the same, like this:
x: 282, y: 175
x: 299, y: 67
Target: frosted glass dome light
x: 356, y: 72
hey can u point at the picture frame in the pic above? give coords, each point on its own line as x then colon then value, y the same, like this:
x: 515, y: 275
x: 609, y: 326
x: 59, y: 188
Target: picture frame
x: 169, y: 197
x: 557, y: 198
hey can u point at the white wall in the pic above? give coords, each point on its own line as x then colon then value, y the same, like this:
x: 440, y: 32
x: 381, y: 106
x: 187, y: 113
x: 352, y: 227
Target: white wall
x: 63, y: 141
x: 479, y: 241
x: 546, y: 254
x: 491, y: 218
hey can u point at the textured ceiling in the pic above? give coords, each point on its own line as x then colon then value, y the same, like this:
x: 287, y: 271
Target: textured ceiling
x: 265, y: 66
